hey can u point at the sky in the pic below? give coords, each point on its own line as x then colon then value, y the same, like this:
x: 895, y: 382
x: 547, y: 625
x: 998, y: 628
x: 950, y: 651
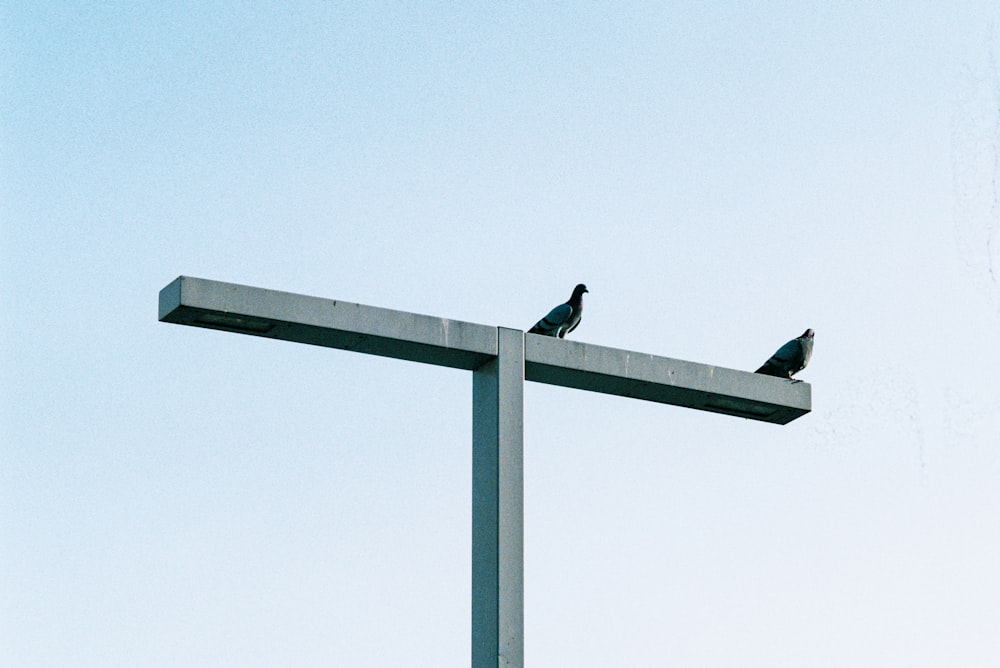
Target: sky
x: 721, y: 175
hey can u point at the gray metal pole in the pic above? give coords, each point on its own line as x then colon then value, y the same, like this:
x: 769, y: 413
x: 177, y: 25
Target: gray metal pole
x: 498, y: 506
x: 501, y: 359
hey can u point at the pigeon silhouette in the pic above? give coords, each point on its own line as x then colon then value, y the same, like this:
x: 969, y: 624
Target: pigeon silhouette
x: 564, y: 318
x: 790, y: 358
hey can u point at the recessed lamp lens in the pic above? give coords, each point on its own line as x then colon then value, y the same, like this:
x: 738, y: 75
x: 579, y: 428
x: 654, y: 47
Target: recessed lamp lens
x: 237, y: 322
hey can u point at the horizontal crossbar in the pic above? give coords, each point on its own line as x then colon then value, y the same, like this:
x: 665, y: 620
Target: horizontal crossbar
x: 464, y: 345
x: 327, y: 322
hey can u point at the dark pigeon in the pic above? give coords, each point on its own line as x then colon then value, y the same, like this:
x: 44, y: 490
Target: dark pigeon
x: 564, y: 318
x: 790, y: 358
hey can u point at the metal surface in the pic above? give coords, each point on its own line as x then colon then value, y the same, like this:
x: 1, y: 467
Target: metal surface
x: 327, y: 322
x: 498, y: 506
x: 584, y: 366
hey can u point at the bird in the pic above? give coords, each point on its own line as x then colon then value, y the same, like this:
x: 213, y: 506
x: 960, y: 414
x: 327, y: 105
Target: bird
x: 564, y: 318
x: 790, y: 358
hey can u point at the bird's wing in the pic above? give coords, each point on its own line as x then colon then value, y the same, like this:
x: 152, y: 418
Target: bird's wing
x: 788, y: 354
x: 556, y: 318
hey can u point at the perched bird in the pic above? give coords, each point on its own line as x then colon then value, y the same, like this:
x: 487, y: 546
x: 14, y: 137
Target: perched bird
x: 564, y: 318
x: 790, y: 358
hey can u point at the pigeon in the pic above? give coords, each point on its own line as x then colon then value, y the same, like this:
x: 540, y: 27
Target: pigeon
x: 790, y: 358
x: 564, y: 318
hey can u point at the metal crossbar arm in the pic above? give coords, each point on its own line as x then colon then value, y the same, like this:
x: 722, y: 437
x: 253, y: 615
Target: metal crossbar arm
x: 327, y: 322
x: 584, y: 366
x: 465, y: 345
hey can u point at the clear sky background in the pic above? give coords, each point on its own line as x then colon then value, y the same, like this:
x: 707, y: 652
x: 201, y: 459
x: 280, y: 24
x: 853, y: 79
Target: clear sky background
x: 721, y: 176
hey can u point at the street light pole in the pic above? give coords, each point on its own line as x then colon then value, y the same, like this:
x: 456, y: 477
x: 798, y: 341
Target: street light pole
x: 500, y: 359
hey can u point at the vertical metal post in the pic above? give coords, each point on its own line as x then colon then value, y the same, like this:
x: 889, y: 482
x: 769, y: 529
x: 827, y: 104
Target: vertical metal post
x: 498, y: 506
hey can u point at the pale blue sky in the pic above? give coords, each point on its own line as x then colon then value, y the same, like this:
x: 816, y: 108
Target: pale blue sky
x: 720, y: 176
